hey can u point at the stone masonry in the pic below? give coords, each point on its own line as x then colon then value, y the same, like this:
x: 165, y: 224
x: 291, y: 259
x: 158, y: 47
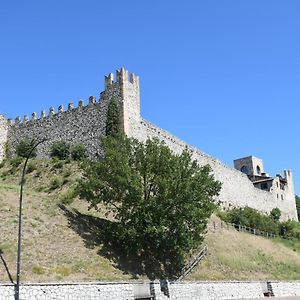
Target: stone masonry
x: 86, y: 125
x: 130, y: 290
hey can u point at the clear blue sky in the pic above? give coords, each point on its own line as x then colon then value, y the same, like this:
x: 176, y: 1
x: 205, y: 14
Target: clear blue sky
x: 222, y: 75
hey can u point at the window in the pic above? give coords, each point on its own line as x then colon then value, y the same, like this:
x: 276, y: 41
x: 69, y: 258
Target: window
x: 258, y: 171
x: 264, y: 186
x: 245, y: 170
x: 281, y: 197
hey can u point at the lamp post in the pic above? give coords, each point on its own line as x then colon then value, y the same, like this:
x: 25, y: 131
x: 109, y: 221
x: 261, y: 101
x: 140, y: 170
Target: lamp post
x: 17, y: 289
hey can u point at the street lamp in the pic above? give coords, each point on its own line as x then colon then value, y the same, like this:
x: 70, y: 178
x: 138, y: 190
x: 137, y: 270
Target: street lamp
x: 17, y: 290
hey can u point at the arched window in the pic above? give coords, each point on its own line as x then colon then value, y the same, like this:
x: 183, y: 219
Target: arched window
x: 245, y: 170
x: 258, y: 170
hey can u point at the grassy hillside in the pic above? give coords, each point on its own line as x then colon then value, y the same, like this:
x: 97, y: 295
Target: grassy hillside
x: 63, y: 240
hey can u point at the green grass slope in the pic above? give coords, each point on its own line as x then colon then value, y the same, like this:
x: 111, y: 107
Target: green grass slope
x: 63, y: 240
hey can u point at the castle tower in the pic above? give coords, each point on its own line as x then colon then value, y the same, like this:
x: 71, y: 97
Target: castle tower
x: 3, y: 136
x: 250, y: 165
x: 126, y: 90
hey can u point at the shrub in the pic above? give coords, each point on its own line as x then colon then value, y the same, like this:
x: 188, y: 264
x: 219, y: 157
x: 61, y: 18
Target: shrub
x: 30, y: 167
x: 2, y: 164
x: 54, y: 184
x: 67, y: 173
x: 16, y: 161
x: 250, y: 217
x: 58, y: 165
x: 68, y: 197
x: 275, y: 214
x: 78, y: 152
x: 60, y: 149
x: 23, y: 148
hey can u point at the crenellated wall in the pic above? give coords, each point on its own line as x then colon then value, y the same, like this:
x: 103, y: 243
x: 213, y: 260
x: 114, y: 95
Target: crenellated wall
x: 86, y: 125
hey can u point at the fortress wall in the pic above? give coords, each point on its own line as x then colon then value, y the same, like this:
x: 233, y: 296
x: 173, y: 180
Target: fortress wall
x: 237, y: 189
x: 3, y: 136
x: 84, y: 124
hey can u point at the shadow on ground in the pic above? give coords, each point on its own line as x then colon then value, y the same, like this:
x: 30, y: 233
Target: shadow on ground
x: 98, y: 232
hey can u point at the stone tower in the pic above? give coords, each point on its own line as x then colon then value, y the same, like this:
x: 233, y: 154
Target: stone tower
x: 125, y: 89
x: 250, y: 165
x: 3, y: 136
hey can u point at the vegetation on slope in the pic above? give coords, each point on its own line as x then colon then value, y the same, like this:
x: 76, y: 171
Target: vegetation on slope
x: 63, y: 240
x: 160, y: 202
x: 235, y: 255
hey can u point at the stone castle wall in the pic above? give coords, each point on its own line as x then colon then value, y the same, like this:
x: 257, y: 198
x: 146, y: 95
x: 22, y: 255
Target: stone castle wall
x: 237, y: 189
x: 82, y: 125
x: 3, y: 136
x: 86, y: 125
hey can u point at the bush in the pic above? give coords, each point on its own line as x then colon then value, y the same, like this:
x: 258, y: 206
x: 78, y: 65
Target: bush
x: 2, y: 164
x: 68, y: 197
x: 275, y: 214
x: 250, y: 217
x: 60, y: 149
x: 16, y: 161
x: 78, y: 152
x: 24, y: 147
x: 54, y: 184
x: 30, y: 167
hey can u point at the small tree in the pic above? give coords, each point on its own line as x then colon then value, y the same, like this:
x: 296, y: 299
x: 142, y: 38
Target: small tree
x: 23, y: 148
x: 275, y: 214
x: 78, y: 152
x: 160, y: 200
x: 298, y: 206
x: 60, y: 150
x: 113, y: 120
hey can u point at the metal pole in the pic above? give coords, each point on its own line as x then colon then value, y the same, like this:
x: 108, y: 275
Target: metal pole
x: 17, y: 291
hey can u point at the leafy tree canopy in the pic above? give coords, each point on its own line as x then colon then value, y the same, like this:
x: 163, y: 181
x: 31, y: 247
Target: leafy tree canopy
x: 24, y: 147
x: 298, y: 206
x: 160, y: 201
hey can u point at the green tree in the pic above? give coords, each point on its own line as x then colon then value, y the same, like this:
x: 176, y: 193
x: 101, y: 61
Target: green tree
x: 78, y: 152
x: 160, y: 201
x: 298, y: 206
x: 113, y: 120
x: 23, y: 148
x: 60, y: 150
x: 275, y: 214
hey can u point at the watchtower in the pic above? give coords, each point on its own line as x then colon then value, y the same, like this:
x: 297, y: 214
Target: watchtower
x: 250, y: 165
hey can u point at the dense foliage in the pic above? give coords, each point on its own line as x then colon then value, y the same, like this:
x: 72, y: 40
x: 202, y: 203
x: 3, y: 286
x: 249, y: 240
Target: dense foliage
x: 113, y: 121
x: 269, y: 223
x: 298, y: 206
x: 78, y: 152
x: 160, y: 201
x: 60, y: 150
x: 23, y: 148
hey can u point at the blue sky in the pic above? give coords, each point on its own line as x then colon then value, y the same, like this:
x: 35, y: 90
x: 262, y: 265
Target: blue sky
x: 222, y: 75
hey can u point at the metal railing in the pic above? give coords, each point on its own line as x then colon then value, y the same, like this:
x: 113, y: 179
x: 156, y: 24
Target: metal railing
x: 193, y: 263
x: 214, y: 226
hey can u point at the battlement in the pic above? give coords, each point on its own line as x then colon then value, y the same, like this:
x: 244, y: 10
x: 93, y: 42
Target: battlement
x: 43, y: 116
x: 86, y: 124
x: 122, y: 76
